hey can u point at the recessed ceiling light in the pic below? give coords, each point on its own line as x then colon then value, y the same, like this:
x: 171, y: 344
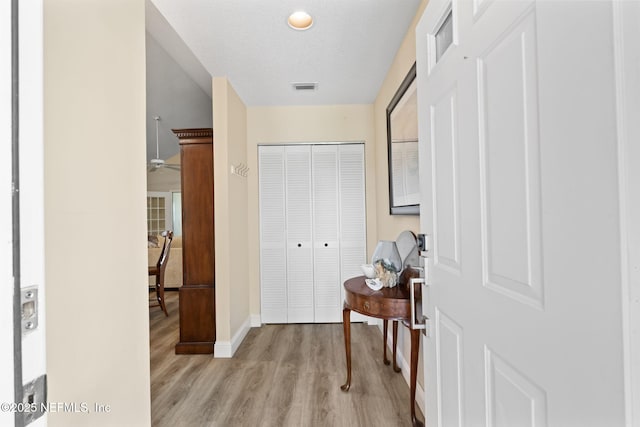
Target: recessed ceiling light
x: 300, y: 20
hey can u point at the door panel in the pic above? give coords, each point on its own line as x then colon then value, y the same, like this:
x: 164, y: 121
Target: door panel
x: 446, y: 213
x: 510, y: 165
x: 273, y: 243
x: 352, y: 194
x: 449, y: 370
x: 298, y: 194
x: 326, y: 259
x: 327, y: 283
x: 325, y: 193
x: 300, y: 302
x: 518, y: 170
x: 511, y: 398
x: 353, y: 219
x: 299, y: 234
x: 626, y: 17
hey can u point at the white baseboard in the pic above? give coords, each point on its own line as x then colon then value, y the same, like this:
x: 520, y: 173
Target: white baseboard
x: 406, y: 371
x: 226, y: 349
x: 256, y: 321
x: 222, y: 350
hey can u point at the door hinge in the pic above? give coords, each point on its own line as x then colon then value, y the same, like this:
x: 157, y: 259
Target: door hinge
x: 34, y: 399
x: 29, y: 309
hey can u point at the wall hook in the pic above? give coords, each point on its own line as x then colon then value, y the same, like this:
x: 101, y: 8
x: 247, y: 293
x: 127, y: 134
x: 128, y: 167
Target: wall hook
x: 240, y: 169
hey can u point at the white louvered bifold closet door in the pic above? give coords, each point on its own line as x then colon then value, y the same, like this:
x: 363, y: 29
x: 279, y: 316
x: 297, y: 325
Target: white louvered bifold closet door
x: 312, y: 229
x: 352, y: 214
x: 273, y: 242
x: 299, y: 234
x: 326, y: 259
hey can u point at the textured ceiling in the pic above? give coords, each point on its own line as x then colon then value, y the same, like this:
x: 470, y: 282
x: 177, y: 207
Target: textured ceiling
x: 347, y: 51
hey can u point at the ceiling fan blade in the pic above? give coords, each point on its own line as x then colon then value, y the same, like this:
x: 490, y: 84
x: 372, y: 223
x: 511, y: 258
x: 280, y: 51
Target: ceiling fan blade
x: 155, y: 166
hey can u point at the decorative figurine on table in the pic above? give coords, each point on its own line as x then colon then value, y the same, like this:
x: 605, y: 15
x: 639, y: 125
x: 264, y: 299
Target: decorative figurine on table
x: 387, y: 266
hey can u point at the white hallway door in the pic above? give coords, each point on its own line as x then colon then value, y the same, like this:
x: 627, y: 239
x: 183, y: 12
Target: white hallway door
x: 519, y: 190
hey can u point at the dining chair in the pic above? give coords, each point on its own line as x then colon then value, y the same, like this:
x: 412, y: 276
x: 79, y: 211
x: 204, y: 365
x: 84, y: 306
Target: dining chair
x: 159, y: 269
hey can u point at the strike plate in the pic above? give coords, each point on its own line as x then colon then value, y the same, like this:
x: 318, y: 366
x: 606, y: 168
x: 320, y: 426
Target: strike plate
x: 29, y: 309
x: 34, y: 397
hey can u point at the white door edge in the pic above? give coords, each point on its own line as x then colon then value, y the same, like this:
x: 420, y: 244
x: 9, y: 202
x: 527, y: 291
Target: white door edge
x: 626, y: 17
x: 6, y: 244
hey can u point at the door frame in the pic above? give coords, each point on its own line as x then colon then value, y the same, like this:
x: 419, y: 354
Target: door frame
x: 22, y: 212
x: 626, y: 24
x: 8, y: 122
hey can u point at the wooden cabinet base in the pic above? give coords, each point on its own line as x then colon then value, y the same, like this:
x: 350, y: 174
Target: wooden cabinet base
x: 197, y: 320
x: 194, y: 348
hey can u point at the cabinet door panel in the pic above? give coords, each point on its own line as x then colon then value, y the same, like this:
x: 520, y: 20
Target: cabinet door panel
x: 197, y: 214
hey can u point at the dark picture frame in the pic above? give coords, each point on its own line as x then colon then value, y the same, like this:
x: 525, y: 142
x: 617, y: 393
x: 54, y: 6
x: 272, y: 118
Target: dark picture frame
x: 402, y: 148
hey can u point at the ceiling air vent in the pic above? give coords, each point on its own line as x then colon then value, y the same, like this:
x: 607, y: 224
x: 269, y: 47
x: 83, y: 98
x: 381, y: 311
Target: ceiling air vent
x: 305, y: 86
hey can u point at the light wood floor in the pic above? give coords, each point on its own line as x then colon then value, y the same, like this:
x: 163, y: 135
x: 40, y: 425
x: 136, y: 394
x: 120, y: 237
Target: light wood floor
x: 282, y: 375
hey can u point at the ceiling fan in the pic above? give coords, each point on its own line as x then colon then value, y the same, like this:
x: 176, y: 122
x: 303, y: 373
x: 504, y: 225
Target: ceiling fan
x: 157, y: 162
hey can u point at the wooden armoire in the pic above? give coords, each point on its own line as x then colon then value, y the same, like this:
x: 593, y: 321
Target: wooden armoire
x: 197, y: 293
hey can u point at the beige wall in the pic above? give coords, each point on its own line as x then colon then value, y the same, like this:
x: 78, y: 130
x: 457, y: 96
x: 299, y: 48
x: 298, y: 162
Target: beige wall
x: 290, y: 125
x: 95, y: 253
x: 230, y: 200
x: 389, y: 226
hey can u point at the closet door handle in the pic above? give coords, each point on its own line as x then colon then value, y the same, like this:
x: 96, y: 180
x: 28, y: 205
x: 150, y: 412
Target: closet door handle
x: 326, y: 245
x: 299, y: 245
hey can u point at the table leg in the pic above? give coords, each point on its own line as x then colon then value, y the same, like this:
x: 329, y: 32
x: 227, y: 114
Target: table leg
x: 395, y: 346
x: 385, y: 329
x: 415, y: 348
x: 346, y: 324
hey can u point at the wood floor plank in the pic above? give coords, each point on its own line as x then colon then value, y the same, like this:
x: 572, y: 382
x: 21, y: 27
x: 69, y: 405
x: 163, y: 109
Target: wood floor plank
x: 281, y: 375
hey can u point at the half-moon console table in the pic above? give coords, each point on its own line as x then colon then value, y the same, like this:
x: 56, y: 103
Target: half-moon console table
x: 387, y: 304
